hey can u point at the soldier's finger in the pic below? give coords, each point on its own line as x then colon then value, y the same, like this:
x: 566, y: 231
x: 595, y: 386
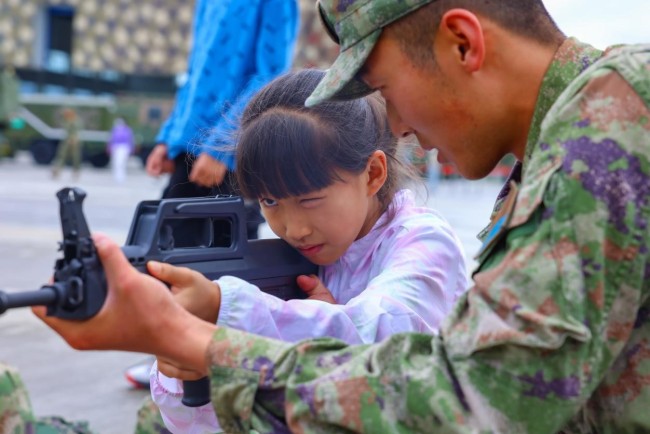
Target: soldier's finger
x: 113, y: 259
x: 39, y: 311
x: 71, y: 331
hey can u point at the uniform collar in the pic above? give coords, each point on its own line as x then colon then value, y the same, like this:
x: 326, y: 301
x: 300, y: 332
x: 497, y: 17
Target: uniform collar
x: 569, y: 61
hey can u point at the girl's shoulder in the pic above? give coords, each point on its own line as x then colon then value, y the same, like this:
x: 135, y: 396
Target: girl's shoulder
x: 408, y: 224
x: 407, y: 213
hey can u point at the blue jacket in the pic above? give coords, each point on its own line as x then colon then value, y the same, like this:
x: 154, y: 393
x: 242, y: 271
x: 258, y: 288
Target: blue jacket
x: 238, y: 47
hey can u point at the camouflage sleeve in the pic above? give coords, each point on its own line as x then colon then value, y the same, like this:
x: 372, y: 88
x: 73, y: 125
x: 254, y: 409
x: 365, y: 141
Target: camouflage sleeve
x: 556, y: 298
x: 16, y: 415
x: 15, y: 409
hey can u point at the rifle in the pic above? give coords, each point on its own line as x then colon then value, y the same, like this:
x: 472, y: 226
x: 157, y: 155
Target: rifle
x: 216, y: 246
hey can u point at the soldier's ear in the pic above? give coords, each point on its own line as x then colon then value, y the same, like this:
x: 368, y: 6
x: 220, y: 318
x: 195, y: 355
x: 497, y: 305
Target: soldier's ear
x: 461, y: 31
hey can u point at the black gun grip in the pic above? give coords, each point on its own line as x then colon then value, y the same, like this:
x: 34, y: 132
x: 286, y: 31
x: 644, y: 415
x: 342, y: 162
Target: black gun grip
x: 196, y: 393
x: 73, y: 222
x: 78, y: 277
x: 79, y: 288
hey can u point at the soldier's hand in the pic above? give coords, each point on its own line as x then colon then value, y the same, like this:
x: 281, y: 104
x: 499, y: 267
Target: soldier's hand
x: 314, y: 288
x: 192, y: 290
x: 207, y: 172
x: 139, y: 314
x: 157, y: 161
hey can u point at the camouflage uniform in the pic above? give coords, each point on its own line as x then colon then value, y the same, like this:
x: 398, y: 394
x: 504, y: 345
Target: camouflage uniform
x: 9, y: 94
x: 16, y: 416
x: 149, y: 419
x: 555, y: 334
x: 70, y: 147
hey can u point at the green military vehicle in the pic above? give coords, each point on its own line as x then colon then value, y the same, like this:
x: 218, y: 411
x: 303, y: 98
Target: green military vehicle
x: 38, y: 124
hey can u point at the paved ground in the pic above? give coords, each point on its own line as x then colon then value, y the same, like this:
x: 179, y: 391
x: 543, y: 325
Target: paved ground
x: 90, y: 385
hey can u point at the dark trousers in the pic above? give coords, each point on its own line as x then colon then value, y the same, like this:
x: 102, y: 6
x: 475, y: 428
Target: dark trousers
x: 180, y: 186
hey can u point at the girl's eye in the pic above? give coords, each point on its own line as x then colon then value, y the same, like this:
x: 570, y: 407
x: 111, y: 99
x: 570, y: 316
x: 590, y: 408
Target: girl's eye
x: 310, y: 200
x: 268, y: 202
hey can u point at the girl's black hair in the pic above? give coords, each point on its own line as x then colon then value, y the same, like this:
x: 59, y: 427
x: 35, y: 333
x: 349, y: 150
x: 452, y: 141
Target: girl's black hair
x: 286, y: 149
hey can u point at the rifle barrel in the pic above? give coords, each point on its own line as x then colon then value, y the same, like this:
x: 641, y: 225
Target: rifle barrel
x: 42, y: 297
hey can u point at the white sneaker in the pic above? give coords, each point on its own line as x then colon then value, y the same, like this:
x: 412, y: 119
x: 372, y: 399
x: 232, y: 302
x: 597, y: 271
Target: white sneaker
x: 138, y: 374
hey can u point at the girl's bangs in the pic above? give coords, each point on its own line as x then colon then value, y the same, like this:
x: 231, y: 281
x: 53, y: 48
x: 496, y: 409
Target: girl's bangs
x: 283, y: 155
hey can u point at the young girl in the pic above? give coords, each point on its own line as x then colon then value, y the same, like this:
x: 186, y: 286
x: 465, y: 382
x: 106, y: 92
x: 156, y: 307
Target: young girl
x: 328, y: 183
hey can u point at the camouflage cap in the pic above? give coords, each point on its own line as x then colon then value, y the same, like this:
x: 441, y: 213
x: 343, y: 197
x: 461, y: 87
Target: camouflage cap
x: 355, y: 25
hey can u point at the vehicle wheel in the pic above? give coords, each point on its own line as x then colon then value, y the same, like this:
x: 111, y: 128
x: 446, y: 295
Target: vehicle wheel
x: 99, y: 160
x: 43, y: 151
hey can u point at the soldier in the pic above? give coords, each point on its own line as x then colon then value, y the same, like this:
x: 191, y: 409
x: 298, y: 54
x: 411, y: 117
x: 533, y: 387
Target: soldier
x: 9, y: 103
x: 554, y: 336
x: 71, y: 146
x: 16, y: 414
x: 9, y: 95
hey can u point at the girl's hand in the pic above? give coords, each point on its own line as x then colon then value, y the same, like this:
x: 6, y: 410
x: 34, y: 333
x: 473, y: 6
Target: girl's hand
x: 174, y: 370
x: 315, y: 289
x: 192, y: 290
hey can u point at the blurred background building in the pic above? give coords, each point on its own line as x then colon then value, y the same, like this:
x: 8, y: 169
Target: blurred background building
x: 105, y: 58
x: 112, y: 40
